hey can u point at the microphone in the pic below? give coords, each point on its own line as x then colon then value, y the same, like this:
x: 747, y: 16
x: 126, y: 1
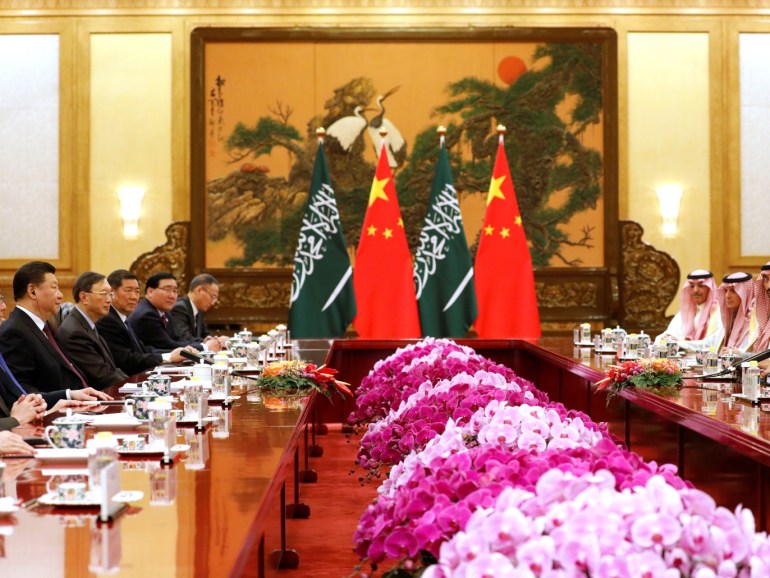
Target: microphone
x: 761, y: 356
x: 192, y: 357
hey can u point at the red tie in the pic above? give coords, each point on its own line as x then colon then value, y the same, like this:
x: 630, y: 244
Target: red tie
x: 52, y: 341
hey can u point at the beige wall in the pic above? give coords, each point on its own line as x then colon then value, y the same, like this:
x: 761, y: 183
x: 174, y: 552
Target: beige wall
x: 677, y: 94
x: 130, y: 142
x: 668, y: 140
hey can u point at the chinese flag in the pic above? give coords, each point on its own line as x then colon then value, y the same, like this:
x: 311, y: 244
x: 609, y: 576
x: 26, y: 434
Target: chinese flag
x: 383, y: 279
x: 505, y: 283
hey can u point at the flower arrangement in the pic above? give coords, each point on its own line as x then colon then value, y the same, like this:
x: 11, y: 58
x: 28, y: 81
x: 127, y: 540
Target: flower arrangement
x: 430, y: 361
x: 558, y: 530
x: 424, y: 415
x: 432, y: 498
x: 295, y: 376
x: 489, y: 478
x: 662, y: 375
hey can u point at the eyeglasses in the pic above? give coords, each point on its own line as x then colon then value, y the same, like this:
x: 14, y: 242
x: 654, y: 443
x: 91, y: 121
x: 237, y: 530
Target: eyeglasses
x: 168, y: 289
x: 109, y: 294
x: 214, y: 296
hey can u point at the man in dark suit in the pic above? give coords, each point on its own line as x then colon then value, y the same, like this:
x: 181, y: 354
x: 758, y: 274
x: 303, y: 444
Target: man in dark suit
x: 79, y: 338
x: 130, y: 354
x: 33, y: 357
x: 187, y: 313
x: 150, y: 320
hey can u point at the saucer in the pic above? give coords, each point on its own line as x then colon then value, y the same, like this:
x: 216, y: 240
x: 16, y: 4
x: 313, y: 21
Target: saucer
x: 53, y: 499
x: 188, y: 421
x: 146, y: 451
x: 126, y: 496
x: 8, y: 506
x: 119, y: 420
x: 219, y: 397
x: 61, y: 454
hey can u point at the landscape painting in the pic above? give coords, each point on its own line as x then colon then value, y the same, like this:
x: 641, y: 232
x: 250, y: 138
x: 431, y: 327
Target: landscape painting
x: 263, y: 95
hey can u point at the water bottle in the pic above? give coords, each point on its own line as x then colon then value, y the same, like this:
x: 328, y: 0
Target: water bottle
x: 711, y: 364
x: 750, y: 380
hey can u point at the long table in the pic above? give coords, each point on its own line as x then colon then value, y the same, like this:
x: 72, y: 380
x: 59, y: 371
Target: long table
x: 217, y: 511
x: 221, y: 511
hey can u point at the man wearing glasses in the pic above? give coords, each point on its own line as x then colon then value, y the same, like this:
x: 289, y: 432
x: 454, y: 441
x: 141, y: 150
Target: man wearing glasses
x: 79, y: 338
x: 151, y: 320
x: 187, y: 313
x: 130, y: 354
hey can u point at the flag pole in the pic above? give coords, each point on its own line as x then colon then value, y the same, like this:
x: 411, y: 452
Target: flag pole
x: 501, y: 130
x: 441, y: 130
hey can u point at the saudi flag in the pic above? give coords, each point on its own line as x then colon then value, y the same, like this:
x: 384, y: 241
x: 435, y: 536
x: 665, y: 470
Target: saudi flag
x: 443, y: 274
x: 322, y: 301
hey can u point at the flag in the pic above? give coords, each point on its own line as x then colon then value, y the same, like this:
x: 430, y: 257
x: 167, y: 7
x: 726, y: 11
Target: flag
x: 443, y: 272
x: 505, y: 283
x: 322, y: 300
x: 382, y: 277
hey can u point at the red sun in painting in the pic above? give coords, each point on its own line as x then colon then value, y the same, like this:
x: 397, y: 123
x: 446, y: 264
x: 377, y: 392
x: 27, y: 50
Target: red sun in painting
x: 510, y: 69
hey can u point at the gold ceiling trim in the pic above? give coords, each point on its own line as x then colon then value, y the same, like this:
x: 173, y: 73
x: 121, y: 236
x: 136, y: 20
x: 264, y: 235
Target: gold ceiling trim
x: 10, y: 8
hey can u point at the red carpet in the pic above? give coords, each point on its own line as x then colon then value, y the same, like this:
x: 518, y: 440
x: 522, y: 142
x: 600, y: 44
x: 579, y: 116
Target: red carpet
x: 337, y: 500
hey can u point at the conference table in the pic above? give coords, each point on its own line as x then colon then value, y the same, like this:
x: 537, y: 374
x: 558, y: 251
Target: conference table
x: 221, y: 508
x: 216, y: 511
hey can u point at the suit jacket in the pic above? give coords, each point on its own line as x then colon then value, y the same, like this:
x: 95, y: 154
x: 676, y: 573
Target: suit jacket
x: 150, y: 329
x: 6, y: 421
x: 88, y: 351
x: 129, y: 353
x: 184, y: 323
x: 34, y: 361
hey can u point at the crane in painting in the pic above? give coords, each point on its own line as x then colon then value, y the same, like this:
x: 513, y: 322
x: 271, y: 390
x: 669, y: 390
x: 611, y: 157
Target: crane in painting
x: 395, y: 145
x: 348, y: 128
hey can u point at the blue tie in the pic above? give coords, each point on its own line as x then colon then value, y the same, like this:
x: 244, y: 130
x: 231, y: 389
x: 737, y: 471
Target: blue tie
x: 10, y: 375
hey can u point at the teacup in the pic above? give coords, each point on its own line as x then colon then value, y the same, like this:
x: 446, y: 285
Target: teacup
x: 239, y: 349
x: 160, y: 384
x: 71, y: 491
x: 133, y: 443
x: 138, y: 404
x: 202, y: 371
x: 67, y: 433
x: 207, y: 355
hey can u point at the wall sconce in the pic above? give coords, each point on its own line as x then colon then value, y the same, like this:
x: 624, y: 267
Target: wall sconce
x: 130, y: 209
x: 669, y: 197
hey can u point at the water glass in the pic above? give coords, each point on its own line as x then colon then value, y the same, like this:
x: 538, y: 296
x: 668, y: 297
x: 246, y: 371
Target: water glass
x: 192, y: 399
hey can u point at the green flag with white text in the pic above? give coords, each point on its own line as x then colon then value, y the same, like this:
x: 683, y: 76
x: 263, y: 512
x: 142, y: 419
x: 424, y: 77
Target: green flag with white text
x: 322, y: 300
x: 443, y: 273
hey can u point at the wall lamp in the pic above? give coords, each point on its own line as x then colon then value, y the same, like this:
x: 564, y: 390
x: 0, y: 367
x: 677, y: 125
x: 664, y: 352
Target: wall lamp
x: 130, y: 209
x: 669, y: 197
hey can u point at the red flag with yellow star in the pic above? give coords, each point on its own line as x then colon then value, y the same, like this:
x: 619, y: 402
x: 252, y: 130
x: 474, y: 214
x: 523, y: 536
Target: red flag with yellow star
x: 383, y: 280
x: 505, y: 283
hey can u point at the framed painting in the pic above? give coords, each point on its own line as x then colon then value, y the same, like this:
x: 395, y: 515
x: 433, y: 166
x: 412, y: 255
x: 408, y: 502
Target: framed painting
x: 258, y: 96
